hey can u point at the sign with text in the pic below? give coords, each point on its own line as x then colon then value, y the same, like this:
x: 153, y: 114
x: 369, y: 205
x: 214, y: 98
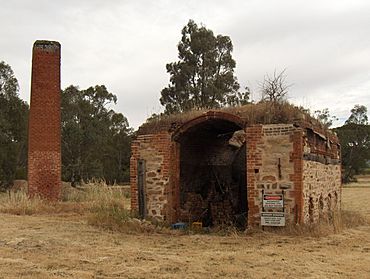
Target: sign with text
x: 273, y: 201
x: 275, y: 219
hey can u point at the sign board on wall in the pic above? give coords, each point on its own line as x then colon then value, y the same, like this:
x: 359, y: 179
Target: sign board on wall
x: 276, y: 219
x: 273, y: 201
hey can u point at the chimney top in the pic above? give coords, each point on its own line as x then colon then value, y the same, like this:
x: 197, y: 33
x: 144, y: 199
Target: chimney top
x: 47, y: 45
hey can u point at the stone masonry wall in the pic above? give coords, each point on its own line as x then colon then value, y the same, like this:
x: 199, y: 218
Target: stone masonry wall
x: 301, y: 162
x: 321, y: 174
x: 44, y: 142
x: 271, y: 167
x: 155, y: 150
x: 321, y: 189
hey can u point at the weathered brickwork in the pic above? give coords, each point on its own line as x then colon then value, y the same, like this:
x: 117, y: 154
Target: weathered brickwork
x: 321, y: 190
x: 44, y: 145
x: 300, y: 161
x: 270, y: 166
x: 173, y: 196
x: 321, y: 177
x: 321, y: 146
x: 155, y: 150
x: 297, y: 158
x: 254, y: 141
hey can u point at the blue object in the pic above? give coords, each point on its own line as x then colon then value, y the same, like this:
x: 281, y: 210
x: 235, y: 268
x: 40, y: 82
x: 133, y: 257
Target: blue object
x: 179, y: 226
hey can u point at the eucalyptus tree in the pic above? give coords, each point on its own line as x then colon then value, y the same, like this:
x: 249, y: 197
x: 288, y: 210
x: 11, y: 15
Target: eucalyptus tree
x: 203, y: 77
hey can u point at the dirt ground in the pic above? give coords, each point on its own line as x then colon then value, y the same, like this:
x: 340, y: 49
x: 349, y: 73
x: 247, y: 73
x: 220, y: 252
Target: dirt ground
x: 66, y: 247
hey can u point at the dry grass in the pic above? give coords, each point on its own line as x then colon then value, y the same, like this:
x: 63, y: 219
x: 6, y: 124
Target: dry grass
x: 18, y: 203
x: 83, y: 200
x: 360, y: 181
x: 357, y: 200
x: 334, y: 223
x: 109, y: 208
x: 103, y: 206
x: 55, y: 246
x: 260, y: 113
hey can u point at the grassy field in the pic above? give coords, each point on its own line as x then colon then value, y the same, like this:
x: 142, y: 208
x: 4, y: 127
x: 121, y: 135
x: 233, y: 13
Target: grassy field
x: 64, y: 245
x: 362, y: 181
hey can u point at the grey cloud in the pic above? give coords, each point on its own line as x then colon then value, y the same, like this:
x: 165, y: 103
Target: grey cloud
x: 126, y: 44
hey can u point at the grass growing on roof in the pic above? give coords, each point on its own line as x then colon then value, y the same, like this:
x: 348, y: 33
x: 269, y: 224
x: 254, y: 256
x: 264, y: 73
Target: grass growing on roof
x: 260, y: 113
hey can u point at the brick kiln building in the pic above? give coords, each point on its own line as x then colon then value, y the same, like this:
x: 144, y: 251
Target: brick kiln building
x: 215, y: 166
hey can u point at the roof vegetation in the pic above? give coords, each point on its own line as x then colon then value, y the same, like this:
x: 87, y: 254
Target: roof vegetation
x: 264, y: 112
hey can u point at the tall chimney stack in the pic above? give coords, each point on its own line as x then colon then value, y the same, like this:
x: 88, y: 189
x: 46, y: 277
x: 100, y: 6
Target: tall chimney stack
x: 44, y: 135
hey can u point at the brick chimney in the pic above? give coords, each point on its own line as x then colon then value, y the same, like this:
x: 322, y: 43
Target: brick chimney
x: 44, y: 138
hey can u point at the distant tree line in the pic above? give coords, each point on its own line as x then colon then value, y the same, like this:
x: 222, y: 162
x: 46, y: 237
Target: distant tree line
x: 95, y: 139
x: 13, y: 128
x: 354, y: 138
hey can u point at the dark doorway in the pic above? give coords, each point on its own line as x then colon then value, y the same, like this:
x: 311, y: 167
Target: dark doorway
x: 213, y: 174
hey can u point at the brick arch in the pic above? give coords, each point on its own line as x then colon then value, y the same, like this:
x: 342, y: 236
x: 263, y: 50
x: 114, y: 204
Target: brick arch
x: 185, y: 136
x: 216, y: 115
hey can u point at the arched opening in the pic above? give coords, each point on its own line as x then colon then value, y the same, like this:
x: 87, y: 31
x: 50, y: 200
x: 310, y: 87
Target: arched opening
x: 212, y: 186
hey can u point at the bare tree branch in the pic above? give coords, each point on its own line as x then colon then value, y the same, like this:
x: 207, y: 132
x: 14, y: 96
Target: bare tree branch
x: 274, y: 88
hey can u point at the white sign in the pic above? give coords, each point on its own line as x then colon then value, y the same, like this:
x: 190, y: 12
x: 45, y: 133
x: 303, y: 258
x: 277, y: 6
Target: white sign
x: 273, y: 201
x: 276, y: 219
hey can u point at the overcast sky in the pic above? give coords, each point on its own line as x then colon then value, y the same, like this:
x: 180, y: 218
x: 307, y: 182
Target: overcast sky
x: 323, y: 45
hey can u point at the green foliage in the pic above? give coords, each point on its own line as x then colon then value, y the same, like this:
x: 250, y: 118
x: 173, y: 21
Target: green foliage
x: 8, y: 83
x: 95, y: 139
x: 358, y: 115
x: 324, y: 117
x: 354, y: 137
x: 204, y: 75
x: 13, y: 128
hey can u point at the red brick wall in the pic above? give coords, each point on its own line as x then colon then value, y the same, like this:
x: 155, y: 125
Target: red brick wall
x: 44, y: 143
x: 254, y: 137
x: 135, y: 149
x: 297, y: 158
